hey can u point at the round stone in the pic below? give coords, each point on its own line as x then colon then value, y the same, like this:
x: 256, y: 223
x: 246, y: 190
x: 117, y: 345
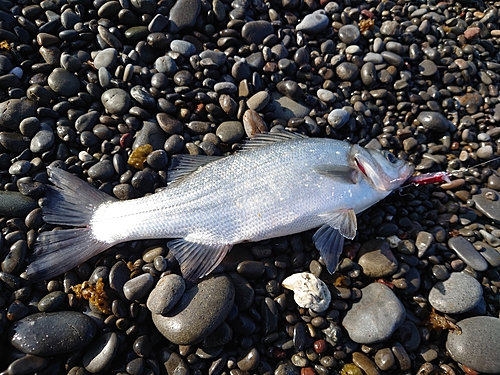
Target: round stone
x: 138, y: 287
x: 14, y: 111
x: 166, y: 294
x: 230, y: 131
x: 375, y: 316
x: 433, y: 121
x: 338, y: 118
x: 106, y: 59
x: 476, y: 346
x: 347, y: 71
x: 63, y: 82
x: 199, y: 312
x: 256, y: 31
x: 183, y: 47
x: 183, y: 14
x: 42, y: 141
x: 49, y: 334
x: 459, y: 294
x: 349, y: 34
x: 116, y: 101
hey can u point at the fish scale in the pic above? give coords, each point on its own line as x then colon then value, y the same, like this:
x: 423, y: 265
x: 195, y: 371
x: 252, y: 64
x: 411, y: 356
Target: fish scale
x: 279, y: 184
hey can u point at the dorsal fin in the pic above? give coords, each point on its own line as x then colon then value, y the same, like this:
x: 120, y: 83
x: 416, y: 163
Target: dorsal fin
x: 183, y: 165
x: 265, y: 139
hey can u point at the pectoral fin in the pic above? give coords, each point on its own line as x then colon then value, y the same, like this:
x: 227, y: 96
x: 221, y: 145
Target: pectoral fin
x: 338, y: 172
x: 197, y: 259
x: 330, y: 243
x: 344, y: 220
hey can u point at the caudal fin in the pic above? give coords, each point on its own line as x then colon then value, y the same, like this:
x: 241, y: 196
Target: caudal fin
x: 71, y: 202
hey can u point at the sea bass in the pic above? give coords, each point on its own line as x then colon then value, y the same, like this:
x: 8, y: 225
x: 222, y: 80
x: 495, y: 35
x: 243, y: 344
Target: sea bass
x: 278, y: 184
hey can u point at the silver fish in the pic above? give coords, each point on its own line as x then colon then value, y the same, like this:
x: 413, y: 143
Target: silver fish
x: 278, y: 184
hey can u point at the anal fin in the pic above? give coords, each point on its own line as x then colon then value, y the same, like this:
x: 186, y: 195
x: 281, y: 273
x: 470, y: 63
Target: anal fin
x: 197, y: 259
x: 330, y: 243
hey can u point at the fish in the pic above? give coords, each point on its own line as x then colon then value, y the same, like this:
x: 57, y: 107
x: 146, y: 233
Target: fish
x: 278, y: 184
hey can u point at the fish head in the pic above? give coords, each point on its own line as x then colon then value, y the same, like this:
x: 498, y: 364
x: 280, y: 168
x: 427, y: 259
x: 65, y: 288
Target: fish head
x: 384, y: 171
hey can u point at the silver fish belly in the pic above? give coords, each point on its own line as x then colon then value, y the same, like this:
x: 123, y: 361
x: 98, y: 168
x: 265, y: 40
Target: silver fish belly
x: 279, y: 184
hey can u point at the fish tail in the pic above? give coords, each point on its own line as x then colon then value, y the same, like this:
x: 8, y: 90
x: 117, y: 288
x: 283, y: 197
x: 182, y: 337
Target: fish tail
x: 71, y: 202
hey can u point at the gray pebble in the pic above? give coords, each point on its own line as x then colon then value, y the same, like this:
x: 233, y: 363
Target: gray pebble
x: 477, y: 344
x: 42, y: 141
x: 166, y: 294
x: 116, y: 101
x: 338, y: 118
x: 20, y: 167
x: 230, y: 132
x: 102, y: 170
x: 49, y: 334
x: 29, y: 126
x: 143, y: 97
x: 287, y: 108
x: 349, y: 34
x: 14, y: 204
x: 256, y: 31
x: 200, y: 311
x: 166, y: 65
x: 151, y: 134
x: 258, y: 101
x: 468, y: 253
x: 138, y: 287
x: 375, y: 316
x: 63, y: 82
x: 183, y: 47
x: 491, y: 255
x: 52, y: 301
x: 459, y: 294
x: 347, y: 71
x: 13, y: 111
x: 183, y: 14
x: 488, y: 202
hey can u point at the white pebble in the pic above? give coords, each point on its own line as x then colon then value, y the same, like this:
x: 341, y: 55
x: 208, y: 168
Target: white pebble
x: 309, y: 291
x: 84, y: 156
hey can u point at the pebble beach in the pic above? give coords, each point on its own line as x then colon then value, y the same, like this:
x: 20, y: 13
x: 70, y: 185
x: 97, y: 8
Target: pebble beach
x: 112, y: 90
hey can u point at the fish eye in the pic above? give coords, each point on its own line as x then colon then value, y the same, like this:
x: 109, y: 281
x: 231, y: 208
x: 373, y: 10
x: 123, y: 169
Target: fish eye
x: 390, y: 157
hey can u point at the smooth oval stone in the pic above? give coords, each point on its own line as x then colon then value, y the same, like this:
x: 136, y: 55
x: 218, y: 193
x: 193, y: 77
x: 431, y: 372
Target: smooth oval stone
x: 338, y: 118
x: 15, y: 204
x: 349, y: 34
x: 138, y: 287
x: 13, y: 111
x: 116, y: 101
x: 230, y: 131
x: 375, y: 316
x: 48, y: 334
x: 106, y: 59
x: 347, y: 71
x: 183, y: 14
x: 200, y: 311
x: 468, y: 253
x: 166, y: 294
x: 256, y: 31
x: 477, y: 345
x: 287, y: 108
x: 258, y: 101
x: 63, y: 82
x: 433, y: 121
x: 150, y: 134
x: 459, y: 294
x: 42, y: 141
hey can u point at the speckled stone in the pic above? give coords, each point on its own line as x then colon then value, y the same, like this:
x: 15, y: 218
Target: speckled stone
x: 166, y: 294
x: 477, y: 345
x: 48, y: 334
x: 375, y: 316
x: 459, y: 294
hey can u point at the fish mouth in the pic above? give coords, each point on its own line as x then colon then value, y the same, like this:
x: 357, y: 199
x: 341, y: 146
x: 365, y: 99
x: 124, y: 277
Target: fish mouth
x: 360, y: 166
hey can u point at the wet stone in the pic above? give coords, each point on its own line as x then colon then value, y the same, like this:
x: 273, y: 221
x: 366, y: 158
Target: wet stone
x: 433, y: 121
x: 459, y: 294
x: 42, y: 141
x: 13, y: 111
x: 166, y: 294
x: 52, y: 301
x: 102, y: 170
x: 14, y: 204
x: 375, y: 316
x: 138, y: 287
x: 202, y: 308
x: 256, y: 31
x: 468, y: 253
x: 338, y: 118
x: 427, y: 68
x: 150, y: 134
x: 477, y: 344
x: 48, y: 334
x: 63, y: 82
x: 347, y: 71
x: 349, y: 34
